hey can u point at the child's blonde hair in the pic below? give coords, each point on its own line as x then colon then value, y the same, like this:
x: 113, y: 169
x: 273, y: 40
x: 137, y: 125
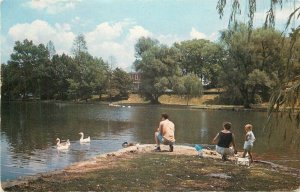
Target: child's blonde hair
x: 249, y: 127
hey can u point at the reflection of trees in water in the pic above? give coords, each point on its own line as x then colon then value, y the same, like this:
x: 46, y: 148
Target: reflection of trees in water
x: 30, y: 126
x: 24, y: 124
x: 192, y: 126
x: 146, y: 120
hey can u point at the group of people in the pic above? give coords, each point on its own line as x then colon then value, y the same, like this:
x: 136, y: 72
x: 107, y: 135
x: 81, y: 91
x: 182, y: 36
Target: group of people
x: 224, y: 140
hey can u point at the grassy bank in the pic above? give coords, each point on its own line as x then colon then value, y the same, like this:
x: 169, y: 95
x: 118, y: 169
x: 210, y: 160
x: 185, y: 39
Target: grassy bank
x: 164, y: 171
x: 210, y: 101
x: 174, y: 100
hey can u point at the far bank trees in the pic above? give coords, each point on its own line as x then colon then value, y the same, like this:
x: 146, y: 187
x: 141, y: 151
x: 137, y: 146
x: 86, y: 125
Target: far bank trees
x: 161, y: 70
x: 36, y: 71
x: 158, y: 66
x: 254, y: 66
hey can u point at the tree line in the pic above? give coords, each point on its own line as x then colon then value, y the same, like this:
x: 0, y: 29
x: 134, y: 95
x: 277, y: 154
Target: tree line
x: 36, y: 71
x: 246, y: 68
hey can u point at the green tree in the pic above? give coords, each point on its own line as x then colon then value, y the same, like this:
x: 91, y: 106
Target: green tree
x: 259, y: 57
x: 121, y: 83
x: 193, y: 87
x: 143, y: 44
x: 63, y: 69
x: 99, y: 73
x: 189, y: 86
x: 158, y: 67
x: 287, y: 94
x: 11, y: 86
x: 80, y: 86
x: 200, y: 57
x: 28, y: 68
x: 111, y: 65
x: 79, y: 45
x: 51, y: 49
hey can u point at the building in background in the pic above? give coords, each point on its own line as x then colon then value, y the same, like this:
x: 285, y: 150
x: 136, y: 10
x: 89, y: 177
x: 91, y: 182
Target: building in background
x: 136, y: 78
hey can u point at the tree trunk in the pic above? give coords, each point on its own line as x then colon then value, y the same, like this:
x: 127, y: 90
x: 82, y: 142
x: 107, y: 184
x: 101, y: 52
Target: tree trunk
x: 188, y: 98
x: 154, y: 99
x: 245, y: 95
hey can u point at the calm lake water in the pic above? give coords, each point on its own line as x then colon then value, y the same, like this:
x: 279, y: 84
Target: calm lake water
x: 29, y: 131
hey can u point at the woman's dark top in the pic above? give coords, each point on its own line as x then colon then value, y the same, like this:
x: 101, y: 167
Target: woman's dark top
x: 225, y: 139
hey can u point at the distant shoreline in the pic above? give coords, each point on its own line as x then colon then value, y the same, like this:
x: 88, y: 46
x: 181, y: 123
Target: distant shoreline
x: 260, y: 108
x: 206, y: 102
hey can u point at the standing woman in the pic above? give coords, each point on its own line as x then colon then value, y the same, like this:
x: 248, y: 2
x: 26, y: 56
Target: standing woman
x: 225, y: 139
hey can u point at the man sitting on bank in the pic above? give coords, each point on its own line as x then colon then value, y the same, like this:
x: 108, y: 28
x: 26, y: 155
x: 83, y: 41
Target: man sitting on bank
x: 165, y: 133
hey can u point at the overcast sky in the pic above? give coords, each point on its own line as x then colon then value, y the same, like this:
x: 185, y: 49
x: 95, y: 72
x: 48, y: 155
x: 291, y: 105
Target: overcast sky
x: 111, y: 27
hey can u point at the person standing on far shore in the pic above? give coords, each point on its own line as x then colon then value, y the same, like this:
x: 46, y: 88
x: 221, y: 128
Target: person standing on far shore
x: 165, y: 133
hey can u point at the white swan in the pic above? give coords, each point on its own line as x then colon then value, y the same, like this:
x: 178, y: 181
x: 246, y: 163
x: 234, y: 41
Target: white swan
x: 63, y: 145
x: 82, y: 140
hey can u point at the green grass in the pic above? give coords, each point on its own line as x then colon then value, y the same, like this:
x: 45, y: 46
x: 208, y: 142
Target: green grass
x: 163, y: 172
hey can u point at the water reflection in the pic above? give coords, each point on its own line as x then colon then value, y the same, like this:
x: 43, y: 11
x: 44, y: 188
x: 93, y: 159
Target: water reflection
x: 29, y: 131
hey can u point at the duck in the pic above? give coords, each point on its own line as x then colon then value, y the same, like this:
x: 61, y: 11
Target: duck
x: 82, y: 140
x: 126, y: 144
x: 63, y: 145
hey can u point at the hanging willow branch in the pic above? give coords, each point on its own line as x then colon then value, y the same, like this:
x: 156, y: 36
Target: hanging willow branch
x: 252, y: 10
x: 295, y: 14
x: 287, y: 95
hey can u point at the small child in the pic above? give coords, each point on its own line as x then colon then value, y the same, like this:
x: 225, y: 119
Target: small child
x: 249, y: 140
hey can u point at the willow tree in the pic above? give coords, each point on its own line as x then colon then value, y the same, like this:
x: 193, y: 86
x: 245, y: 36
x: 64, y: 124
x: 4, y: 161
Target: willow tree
x: 287, y: 95
x: 158, y: 67
x: 254, y: 66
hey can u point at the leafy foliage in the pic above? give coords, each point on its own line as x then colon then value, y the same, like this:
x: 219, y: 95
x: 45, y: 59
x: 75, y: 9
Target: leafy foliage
x: 121, y: 83
x: 35, y: 71
x: 190, y: 86
x: 200, y: 57
x: 288, y: 76
x: 254, y: 66
x: 158, y: 67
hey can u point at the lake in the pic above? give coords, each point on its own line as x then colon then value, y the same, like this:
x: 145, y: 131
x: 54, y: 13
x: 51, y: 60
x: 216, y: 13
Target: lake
x: 29, y: 131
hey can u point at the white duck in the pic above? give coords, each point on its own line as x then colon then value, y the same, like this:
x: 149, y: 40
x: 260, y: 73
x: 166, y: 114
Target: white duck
x: 63, y: 145
x: 82, y: 140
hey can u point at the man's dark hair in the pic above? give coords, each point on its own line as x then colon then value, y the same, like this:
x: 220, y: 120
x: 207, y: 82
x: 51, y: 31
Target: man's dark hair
x: 227, y: 125
x: 165, y: 116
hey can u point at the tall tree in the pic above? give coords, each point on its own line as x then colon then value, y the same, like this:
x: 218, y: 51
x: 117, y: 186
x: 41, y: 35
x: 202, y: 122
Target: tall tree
x: 63, y: 69
x: 79, y: 83
x: 79, y: 45
x: 143, y: 44
x: 111, y: 65
x: 288, y: 93
x: 189, y: 86
x: 254, y: 65
x: 121, y: 83
x: 99, y: 76
x: 200, y: 57
x: 158, y: 67
x: 28, y: 65
x: 51, y: 49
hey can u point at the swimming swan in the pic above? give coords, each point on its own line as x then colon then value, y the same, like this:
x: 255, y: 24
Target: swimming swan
x: 63, y: 145
x: 86, y: 140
